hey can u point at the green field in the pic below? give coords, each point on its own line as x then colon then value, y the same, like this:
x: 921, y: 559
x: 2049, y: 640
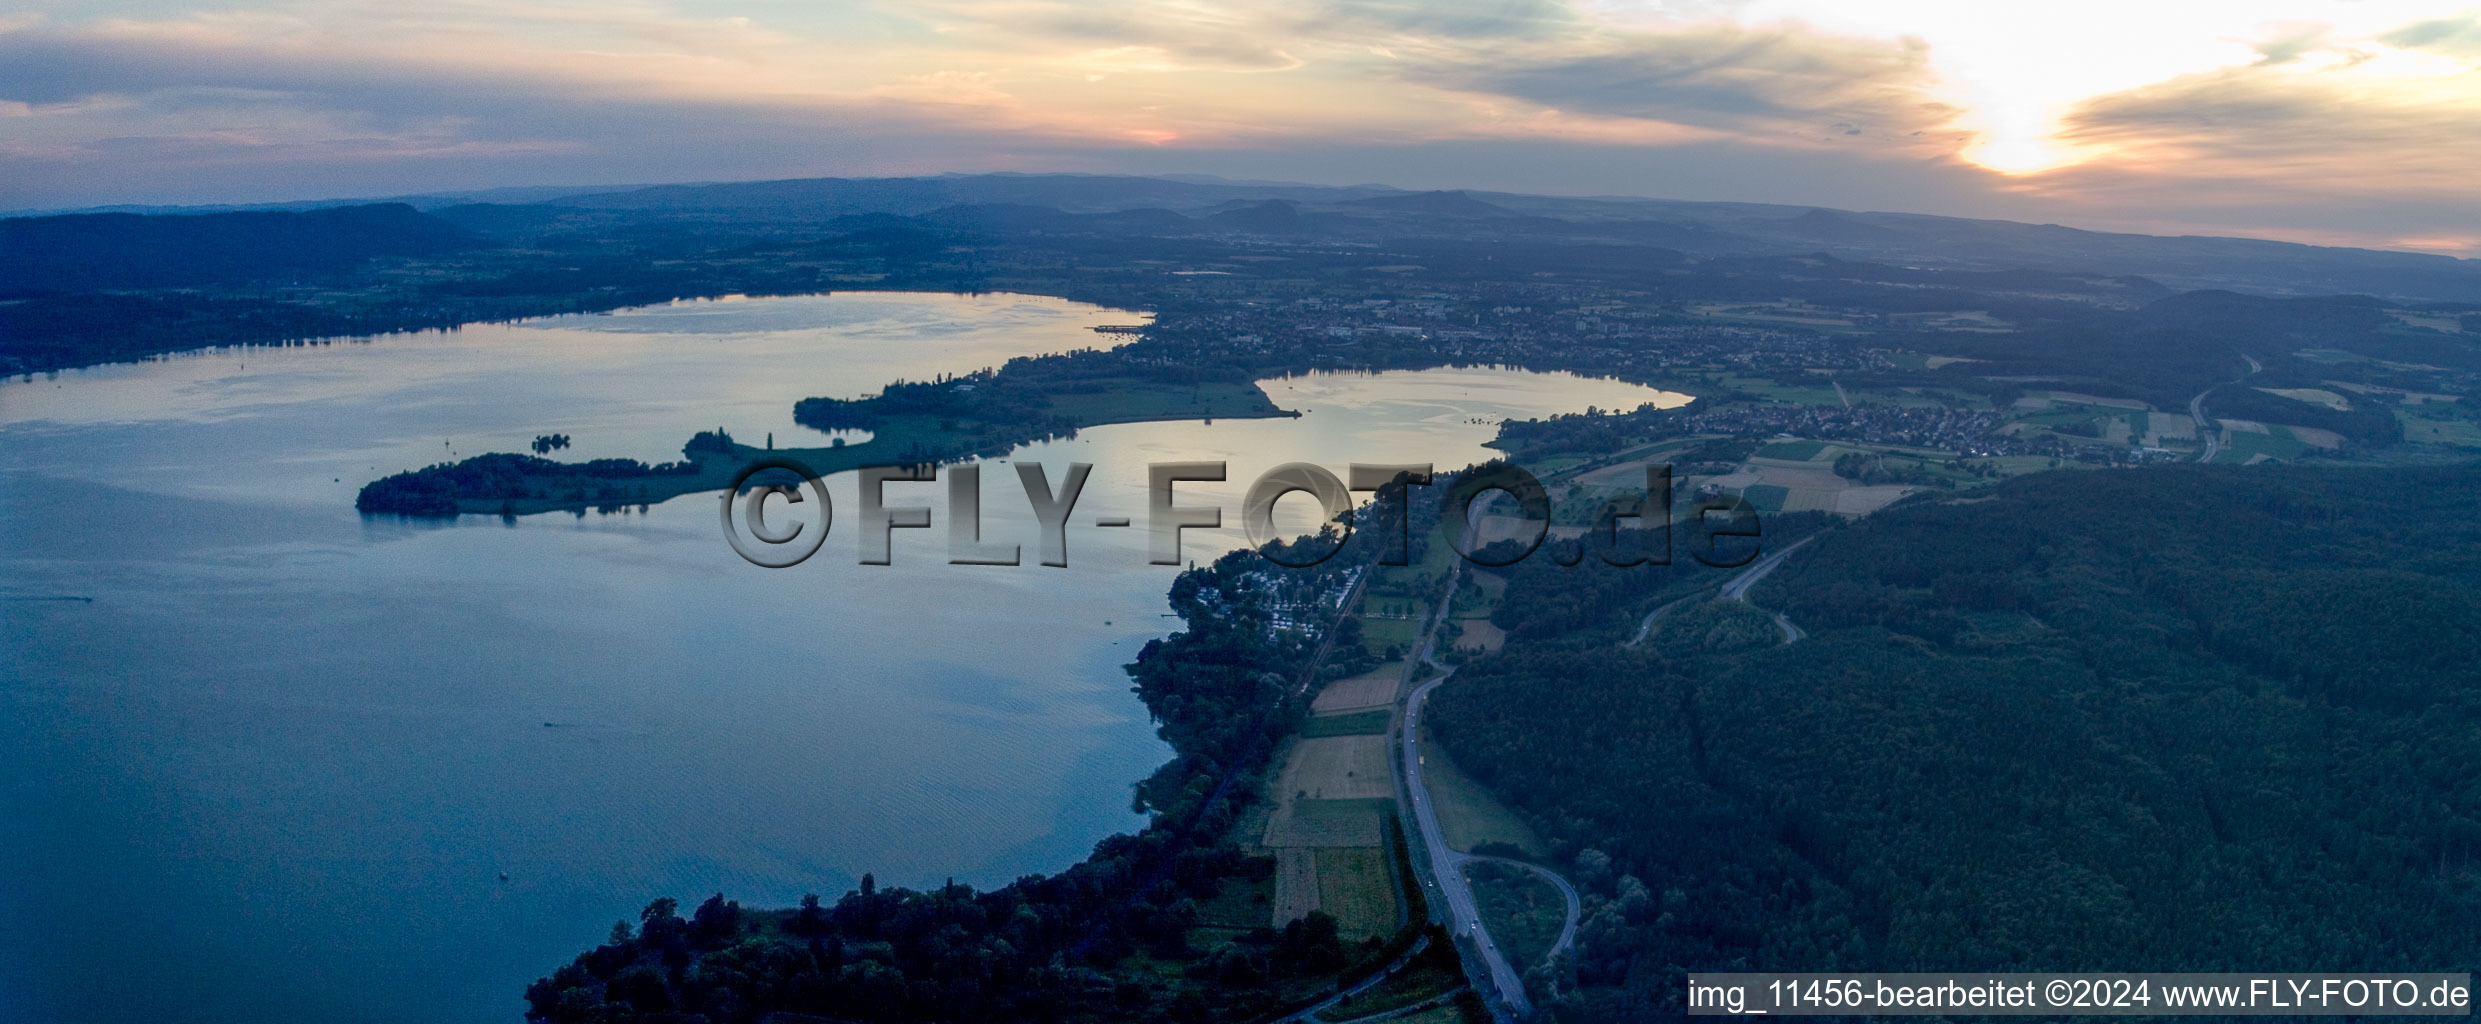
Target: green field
x: 2239, y: 446
x: 2459, y: 433
x: 1468, y: 813
x: 1792, y: 451
x: 1356, y: 888
x: 1346, y: 723
x: 1549, y: 467
x: 1823, y: 394
x: 1351, y: 822
x: 1766, y: 497
x: 2139, y: 421
x: 1379, y: 634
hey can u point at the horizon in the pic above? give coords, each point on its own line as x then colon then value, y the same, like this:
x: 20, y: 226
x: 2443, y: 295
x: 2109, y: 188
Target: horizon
x: 560, y: 192
x: 2326, y: 122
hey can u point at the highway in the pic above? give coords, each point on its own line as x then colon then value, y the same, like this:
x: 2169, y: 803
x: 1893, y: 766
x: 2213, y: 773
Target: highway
x: 1448, y: 887
x: 2210, y: 434
x: 1445, y: 864
x: 1576, y: 903
x: 1464, y: 916
x: 1646, y: 628
x: 1738, y: 590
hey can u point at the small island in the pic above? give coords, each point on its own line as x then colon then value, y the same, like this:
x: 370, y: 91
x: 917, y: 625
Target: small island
x: 947, y: 419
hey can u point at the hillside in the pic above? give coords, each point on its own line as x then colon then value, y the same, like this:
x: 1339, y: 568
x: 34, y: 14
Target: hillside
x: 94, y: 252
x: 2183, y: 719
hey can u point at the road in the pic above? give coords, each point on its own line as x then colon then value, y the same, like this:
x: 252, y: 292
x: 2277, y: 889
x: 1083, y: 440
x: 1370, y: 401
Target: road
x: 1447, y: 884
x: 1576, y: 903
x: 1376, y: 978
x: 1646, y: 628
x: 1445, y: 863
x: 1738, y: 589
x: 1464, y: 915
x: 2213, y: 435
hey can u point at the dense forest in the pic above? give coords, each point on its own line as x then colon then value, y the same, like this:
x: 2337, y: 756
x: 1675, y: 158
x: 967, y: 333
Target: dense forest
x: 433, y: 491
x: 2184, y: 718
x: 98, y: 251
x: 1108, y: 939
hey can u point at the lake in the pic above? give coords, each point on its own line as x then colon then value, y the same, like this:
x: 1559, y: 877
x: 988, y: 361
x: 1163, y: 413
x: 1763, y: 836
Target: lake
x: 263, y: 758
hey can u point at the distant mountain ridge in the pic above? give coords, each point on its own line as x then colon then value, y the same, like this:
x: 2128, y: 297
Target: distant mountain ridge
x: 1693, y: 228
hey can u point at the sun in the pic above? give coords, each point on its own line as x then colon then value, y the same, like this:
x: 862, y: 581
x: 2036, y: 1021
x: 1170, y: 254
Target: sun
x: 2017, y: 154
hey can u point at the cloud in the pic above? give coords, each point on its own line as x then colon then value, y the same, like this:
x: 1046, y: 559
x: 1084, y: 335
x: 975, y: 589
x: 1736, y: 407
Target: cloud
x: 1779, y: 81
x: 1786, y: 100
x: 2345, y: 125
x: 2460, y: 35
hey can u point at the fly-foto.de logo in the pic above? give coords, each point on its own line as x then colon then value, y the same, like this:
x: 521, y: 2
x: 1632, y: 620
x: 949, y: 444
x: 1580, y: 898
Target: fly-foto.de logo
x: 1626, y: 529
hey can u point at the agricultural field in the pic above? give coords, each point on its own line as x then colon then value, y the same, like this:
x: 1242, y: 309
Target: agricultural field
x: 1337, y: 768
x: 1353, y: 884
x: 2247, y: 446
x: 1358, y: 889
x: 1361, y: 722
x: 2170, y: 426
x: 1557, y: 464
x: 1777, y: 312
x: 2078, y: 398
x: 1793, y: 451
x: 1311, y: 822
x: 1377, y: 635
x: 1374, y: 688
x: 1296, y: 885
x: 2422, y: 430
x: 1773, y: 485
x: 2313, y: 396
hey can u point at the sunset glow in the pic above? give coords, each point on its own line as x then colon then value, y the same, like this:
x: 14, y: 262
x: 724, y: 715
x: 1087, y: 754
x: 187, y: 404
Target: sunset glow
x: 2115, y: 113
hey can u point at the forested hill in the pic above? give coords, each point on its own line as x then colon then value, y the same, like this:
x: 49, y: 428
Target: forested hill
x: 88, y: 252
x: 2171, y: 719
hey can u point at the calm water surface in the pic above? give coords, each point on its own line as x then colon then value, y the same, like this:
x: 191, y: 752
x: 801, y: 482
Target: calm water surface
x: 289, y: 763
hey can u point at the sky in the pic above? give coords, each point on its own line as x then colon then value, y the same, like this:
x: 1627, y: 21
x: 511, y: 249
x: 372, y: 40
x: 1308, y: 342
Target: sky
x: 2354, y: 122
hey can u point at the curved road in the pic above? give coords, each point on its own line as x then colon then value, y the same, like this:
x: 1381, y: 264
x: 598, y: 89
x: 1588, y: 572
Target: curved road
x: 1376, y: 978
x: 1646, y: 628
x: 2212, y: 435
x: 1738, y: 588
x: 1576, y: 903
x: 1446, y: 864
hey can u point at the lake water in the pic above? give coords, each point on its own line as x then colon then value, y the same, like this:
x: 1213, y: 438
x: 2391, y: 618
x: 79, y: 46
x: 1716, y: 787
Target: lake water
x: 292, y: 763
